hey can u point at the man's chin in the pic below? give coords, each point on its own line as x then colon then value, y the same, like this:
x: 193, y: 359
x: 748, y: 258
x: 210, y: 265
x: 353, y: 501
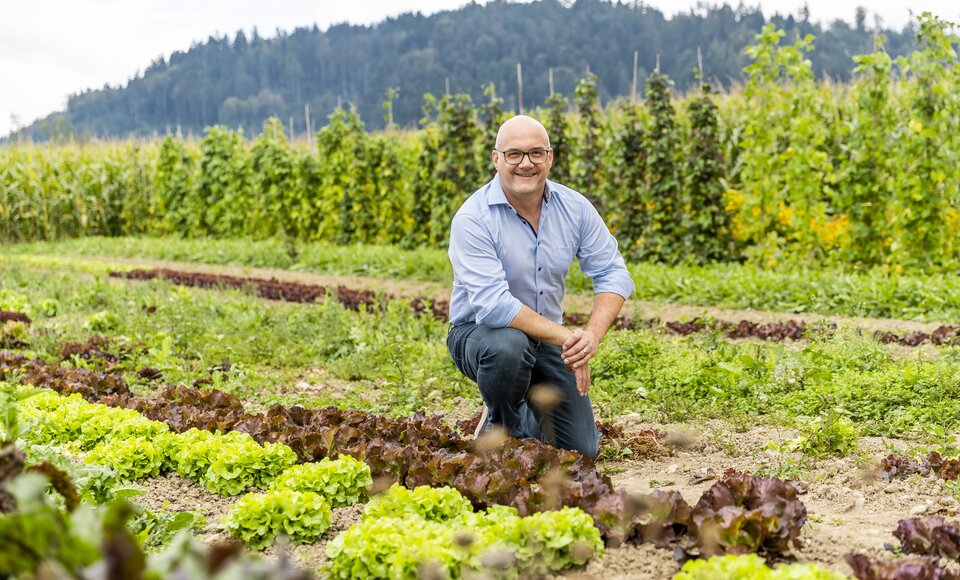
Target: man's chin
x: 527, y: 188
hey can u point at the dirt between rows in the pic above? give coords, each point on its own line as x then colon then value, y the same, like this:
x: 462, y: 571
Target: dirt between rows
x: 636, y: 309
x: 851, y: 509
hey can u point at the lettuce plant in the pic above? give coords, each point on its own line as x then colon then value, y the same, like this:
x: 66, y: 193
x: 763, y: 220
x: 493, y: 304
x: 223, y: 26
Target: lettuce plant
x: 435, y: 504
x: 132, y: 459
x: 228, y: 463
x: 407, y: 533
x: 929, y: 536
x: 742, y: 513
x: 341, y: 482
x: 259, y: 518
x: 752, y: 567
x: 922, y: 568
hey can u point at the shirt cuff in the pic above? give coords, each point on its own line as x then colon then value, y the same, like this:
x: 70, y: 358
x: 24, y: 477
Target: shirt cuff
x: 621, y: 284
x: 501, y: 314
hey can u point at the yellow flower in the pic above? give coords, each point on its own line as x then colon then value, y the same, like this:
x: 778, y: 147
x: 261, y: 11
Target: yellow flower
x: 785, y: 216
x: 734, y: 200
x: 915, y: 126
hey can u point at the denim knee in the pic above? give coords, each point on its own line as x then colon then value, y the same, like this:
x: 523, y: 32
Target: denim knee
x: 506, y: 346
x: 589, y: 446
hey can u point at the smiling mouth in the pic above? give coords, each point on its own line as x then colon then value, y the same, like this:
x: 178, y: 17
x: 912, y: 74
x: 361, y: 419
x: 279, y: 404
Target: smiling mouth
x: 525, y: 174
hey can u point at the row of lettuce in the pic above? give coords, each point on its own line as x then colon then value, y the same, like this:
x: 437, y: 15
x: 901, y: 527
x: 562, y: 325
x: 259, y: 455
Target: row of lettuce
x: 401, y: 530
x: 402, y: 533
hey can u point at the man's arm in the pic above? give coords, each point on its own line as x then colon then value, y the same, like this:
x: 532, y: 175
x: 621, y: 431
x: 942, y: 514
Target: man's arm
x: 539, y: 328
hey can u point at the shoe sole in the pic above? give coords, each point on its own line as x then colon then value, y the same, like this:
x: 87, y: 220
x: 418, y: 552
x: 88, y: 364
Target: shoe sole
x: 482, y: 423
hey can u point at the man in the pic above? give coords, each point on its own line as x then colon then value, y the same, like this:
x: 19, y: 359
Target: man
x: 511, y: 244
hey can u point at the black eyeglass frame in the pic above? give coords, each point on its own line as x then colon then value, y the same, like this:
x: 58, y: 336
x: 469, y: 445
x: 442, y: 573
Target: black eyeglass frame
x: 527, y: 154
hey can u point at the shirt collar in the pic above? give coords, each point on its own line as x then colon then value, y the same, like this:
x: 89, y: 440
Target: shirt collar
x: 496, y: 196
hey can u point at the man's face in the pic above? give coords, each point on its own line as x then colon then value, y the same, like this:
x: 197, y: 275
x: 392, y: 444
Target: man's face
x: 526, y: 179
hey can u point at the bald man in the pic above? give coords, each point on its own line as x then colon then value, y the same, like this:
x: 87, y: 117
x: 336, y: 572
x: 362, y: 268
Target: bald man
x: 511, y: 244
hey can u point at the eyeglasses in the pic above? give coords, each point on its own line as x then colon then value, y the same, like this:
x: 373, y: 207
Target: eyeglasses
x: 515, y: 156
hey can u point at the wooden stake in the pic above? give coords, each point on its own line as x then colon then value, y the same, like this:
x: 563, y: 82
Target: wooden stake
x: 633, y: 87
x: 306, y: 116
x: 551, y: 81
x: 520, y: 88
x: 700, y: 67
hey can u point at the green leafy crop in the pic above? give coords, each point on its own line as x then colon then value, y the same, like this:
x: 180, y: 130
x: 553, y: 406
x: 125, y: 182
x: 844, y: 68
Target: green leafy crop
x: 132, y: 459
x: 751, y: 567
x: 405, y: 533
x: 435, y: 504
x: 258, y: 518
x: 227, y: 463
x: 341, y: 482
x: 62, y: 420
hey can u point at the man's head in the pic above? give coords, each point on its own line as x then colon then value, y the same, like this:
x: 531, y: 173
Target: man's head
x: 519, y: 139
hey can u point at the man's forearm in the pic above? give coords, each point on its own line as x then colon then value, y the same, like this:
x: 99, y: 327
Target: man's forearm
x: 606, y: 307
x: 538, y: 327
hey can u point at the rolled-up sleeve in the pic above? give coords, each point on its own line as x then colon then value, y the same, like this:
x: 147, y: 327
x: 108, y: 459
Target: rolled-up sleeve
x: 599, y: 257
x: 479, y: 270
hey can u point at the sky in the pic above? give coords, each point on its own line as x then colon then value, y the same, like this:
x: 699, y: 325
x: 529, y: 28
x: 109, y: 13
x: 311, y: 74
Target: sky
x: 50, y: 49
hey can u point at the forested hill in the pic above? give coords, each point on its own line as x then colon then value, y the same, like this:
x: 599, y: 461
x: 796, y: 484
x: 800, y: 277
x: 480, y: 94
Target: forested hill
x: 241, y: 81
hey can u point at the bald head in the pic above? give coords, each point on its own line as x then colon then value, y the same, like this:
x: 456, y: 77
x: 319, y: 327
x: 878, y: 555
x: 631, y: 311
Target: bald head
x: 521, y: 128
x: 523, y: 139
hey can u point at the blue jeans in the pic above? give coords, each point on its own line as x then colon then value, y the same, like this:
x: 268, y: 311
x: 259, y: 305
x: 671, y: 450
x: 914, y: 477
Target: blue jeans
x: 505, y: 363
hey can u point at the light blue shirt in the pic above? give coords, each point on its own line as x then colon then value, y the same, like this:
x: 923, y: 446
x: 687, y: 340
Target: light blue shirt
x: 500, y: 264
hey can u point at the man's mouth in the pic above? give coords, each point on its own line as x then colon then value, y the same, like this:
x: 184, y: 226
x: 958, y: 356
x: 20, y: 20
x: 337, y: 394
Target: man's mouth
x: 525, y: 174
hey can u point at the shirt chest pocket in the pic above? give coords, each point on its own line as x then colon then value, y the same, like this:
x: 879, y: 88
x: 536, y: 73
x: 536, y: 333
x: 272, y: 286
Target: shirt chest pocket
x: 561, y: 258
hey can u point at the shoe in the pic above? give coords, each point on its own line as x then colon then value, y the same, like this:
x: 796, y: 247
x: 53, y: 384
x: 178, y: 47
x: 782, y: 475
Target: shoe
x: 483, y: 421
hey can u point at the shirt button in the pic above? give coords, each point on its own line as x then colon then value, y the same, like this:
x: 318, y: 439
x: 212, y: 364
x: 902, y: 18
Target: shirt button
x: 541, y: 291
x: 540, y: 268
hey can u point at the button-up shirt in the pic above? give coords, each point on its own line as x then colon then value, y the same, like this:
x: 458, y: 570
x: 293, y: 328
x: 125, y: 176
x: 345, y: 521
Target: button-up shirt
x: 500, y: 263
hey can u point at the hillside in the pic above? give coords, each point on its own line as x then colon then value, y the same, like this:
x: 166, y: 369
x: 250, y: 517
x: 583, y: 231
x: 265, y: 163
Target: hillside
x: 242, y: 81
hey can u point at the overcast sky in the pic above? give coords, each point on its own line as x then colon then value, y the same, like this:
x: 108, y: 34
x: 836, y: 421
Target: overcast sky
x: 50, y: 49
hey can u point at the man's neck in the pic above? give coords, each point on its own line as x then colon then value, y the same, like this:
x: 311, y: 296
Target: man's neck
x: 526, y: 204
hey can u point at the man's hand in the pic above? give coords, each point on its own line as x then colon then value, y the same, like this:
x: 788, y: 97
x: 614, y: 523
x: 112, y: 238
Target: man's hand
x: 579, y: 348
x: 583, y: 379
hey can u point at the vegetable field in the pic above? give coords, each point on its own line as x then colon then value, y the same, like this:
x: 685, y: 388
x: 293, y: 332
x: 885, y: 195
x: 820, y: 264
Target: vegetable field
x: 168, y: 407
x: 225, y: 358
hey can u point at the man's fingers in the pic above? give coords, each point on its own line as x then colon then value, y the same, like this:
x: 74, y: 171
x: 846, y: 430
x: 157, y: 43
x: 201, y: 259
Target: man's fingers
x: 578, y: 348
x: 573, y: 339
x: 583, y: 380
